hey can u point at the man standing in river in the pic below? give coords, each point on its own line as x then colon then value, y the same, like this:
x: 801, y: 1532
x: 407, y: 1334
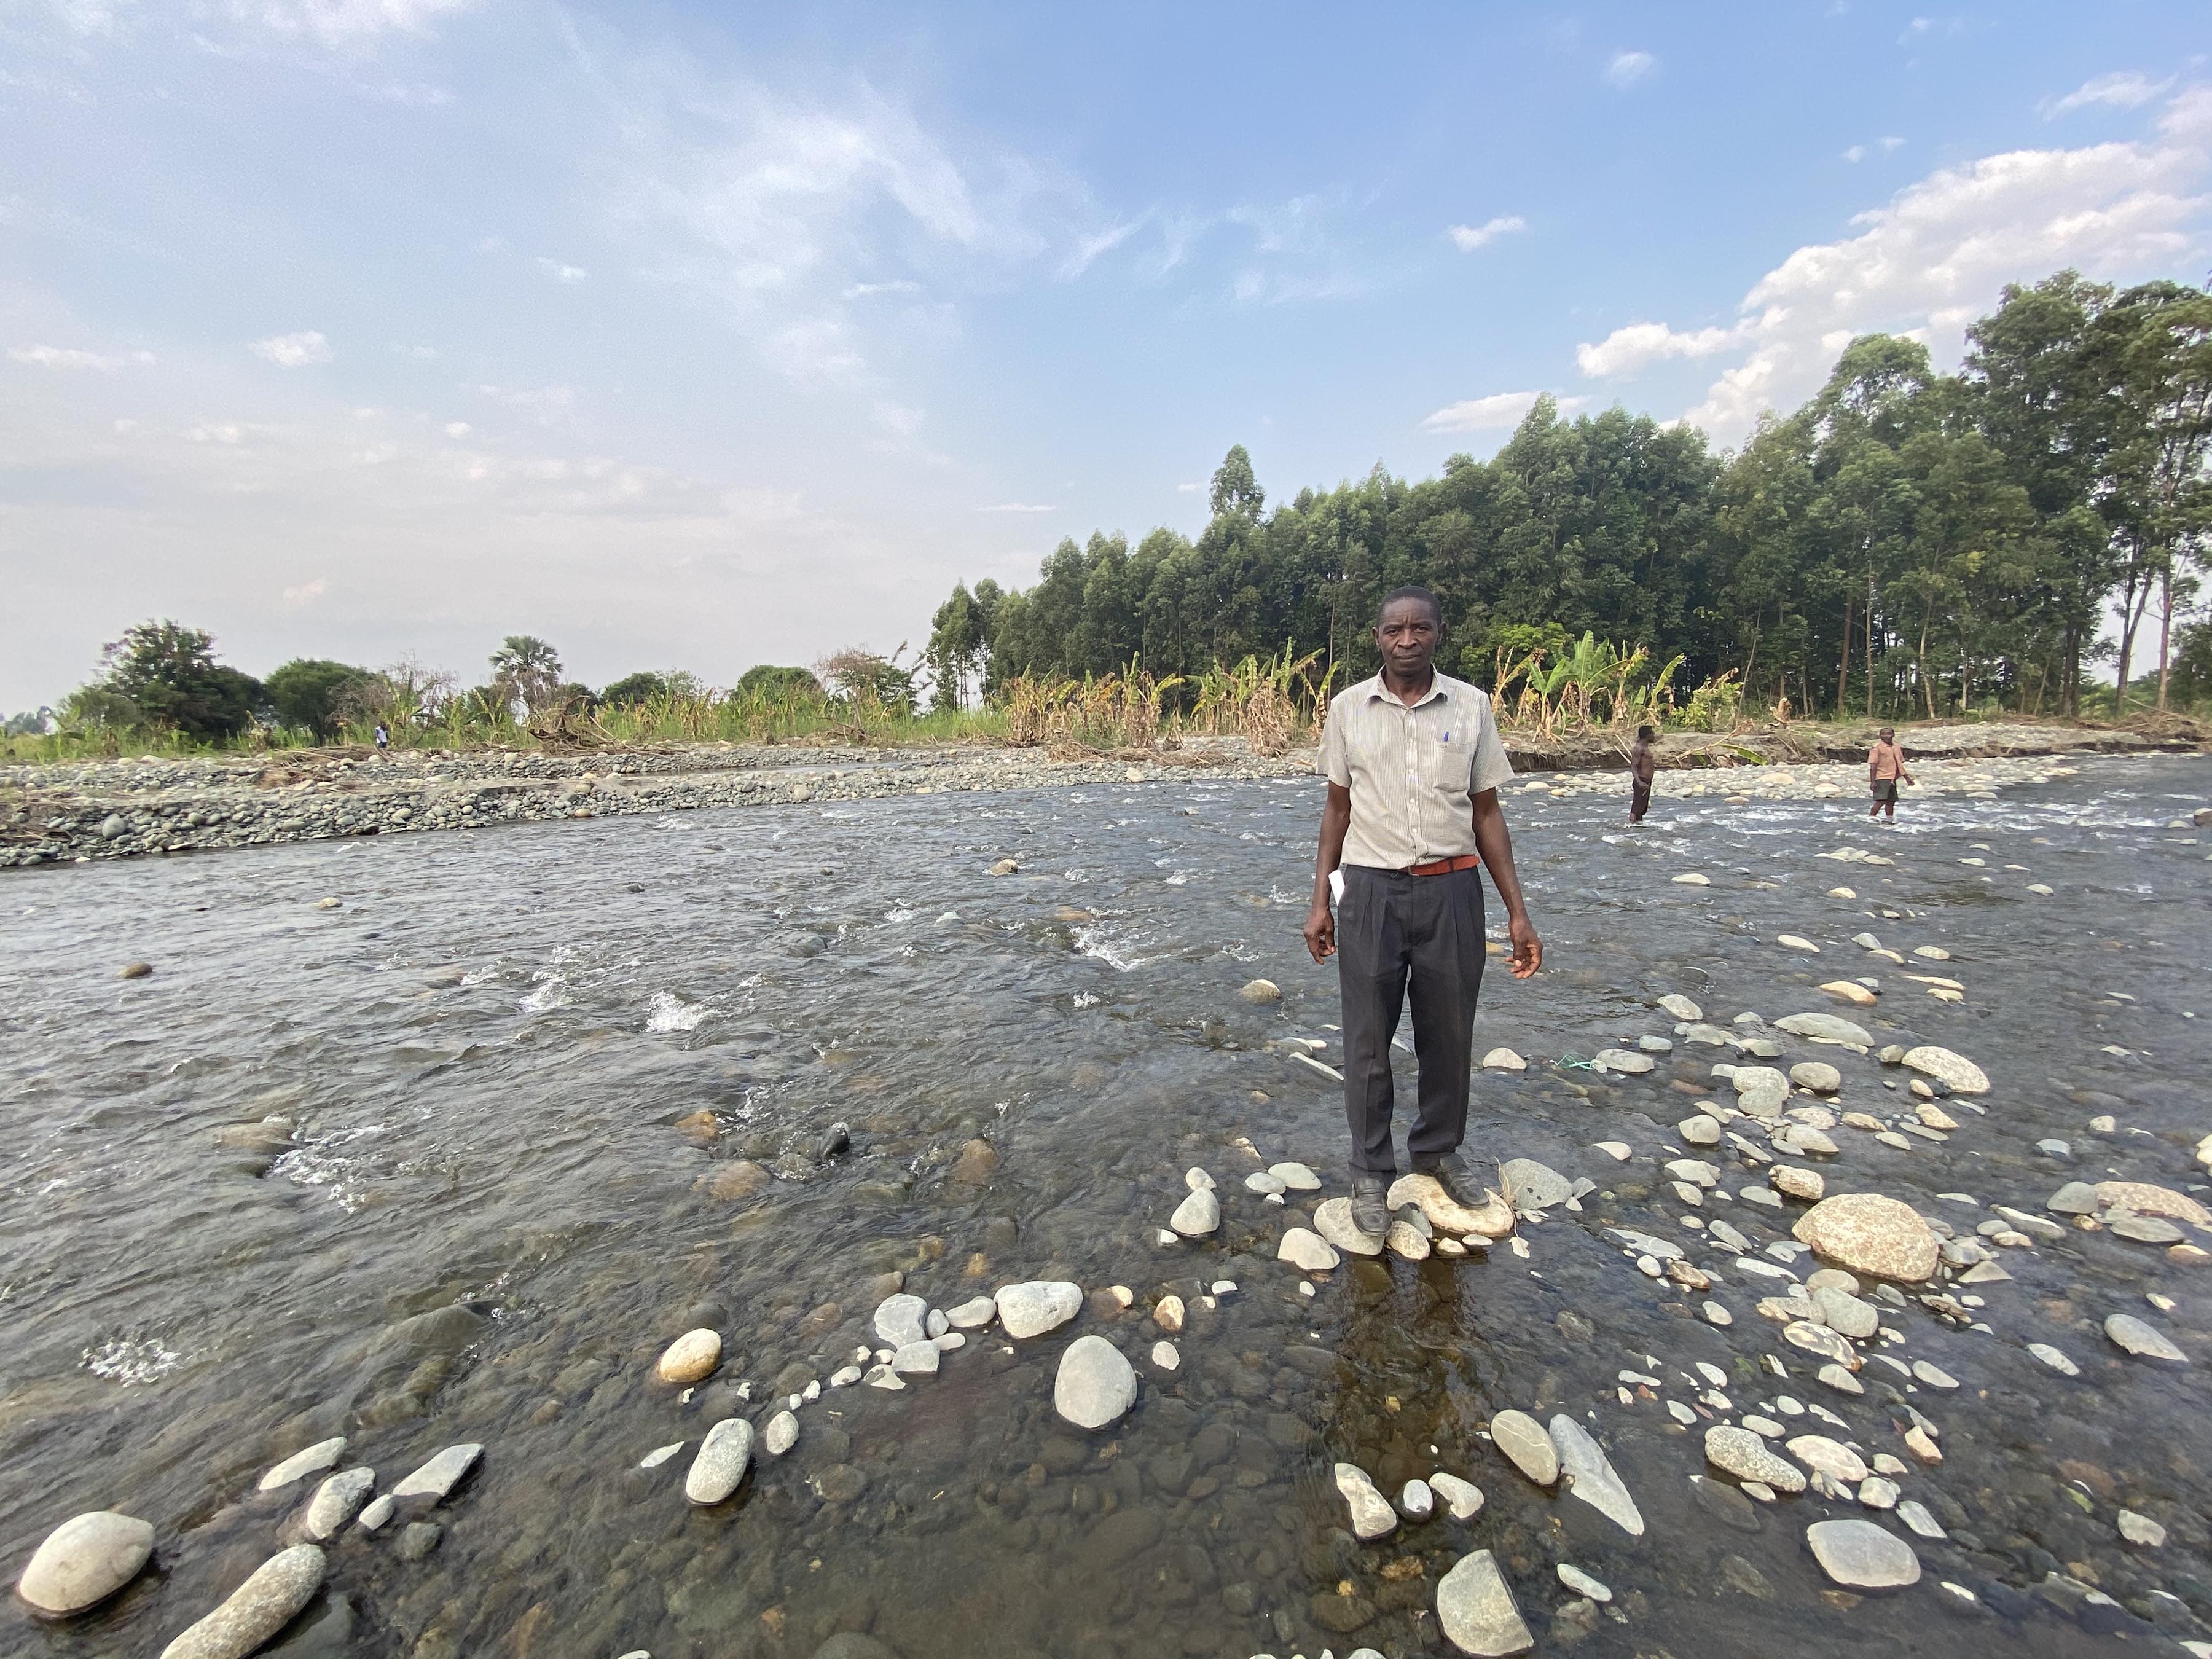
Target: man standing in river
x: 1414, y: 762
x: 1885, y: 766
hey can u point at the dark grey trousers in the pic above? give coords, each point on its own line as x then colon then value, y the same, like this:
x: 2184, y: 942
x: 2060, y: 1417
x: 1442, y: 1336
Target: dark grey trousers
x: 1397, y: 933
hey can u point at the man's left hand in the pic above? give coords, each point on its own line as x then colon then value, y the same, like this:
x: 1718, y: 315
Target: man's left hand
x: 1528, y: 949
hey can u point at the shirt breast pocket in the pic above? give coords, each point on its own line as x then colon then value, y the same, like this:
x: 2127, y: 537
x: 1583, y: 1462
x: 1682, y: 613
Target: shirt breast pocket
x: 1451, y: 764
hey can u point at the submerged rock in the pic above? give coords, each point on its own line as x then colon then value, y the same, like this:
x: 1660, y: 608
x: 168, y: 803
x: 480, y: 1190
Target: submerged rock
x: 1862, y: 1554
x: 85, y: 1561
x: 1309, y: 1252
x: 313, y: 1461
x: 722, y: 1459
x: 2144, y: 1199
x: 2141, y: 1340
x: 1744, y: 1455
x: 1870, y: 1234
x: 437, y: 1478
x: 691, y: 1357
x: 1198, y: 1215
x: 337, y: 1500
x: 899, y: 1321
x: 1037, y: 1306
x: 1532, y: 1186
x: 1590, y: 1475
x: 1095, y: 1385
x: 1524, y: 1442
x: 1961, y: 1074
x: 257, y: 1609
x: 1371, y: 1514
x: 1476, y: 1610
x: 1827, y: 1027
x: 1462, y: 1498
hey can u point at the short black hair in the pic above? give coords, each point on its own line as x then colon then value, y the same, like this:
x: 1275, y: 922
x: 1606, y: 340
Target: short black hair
x: 1411, y: 591
x: 1645, y: 731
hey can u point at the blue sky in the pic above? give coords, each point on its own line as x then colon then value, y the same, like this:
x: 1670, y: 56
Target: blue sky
x: 703, y: 337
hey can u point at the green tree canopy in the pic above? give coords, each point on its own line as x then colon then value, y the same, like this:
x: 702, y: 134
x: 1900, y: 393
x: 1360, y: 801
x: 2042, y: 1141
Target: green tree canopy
x: 161, y: 674
x: 634, y: 688
x: 315, y: 695
x: 769, y: 682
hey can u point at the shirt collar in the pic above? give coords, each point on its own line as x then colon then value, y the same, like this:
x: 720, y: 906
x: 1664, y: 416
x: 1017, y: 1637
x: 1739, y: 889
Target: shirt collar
x: 1378, y: 691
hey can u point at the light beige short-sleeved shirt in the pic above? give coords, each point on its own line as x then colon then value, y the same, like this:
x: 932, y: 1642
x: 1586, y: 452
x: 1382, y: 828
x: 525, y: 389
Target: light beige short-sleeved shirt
x: 1413, y: 772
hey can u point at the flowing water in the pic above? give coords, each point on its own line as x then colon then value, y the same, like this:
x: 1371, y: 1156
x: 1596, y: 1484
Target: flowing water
x: 475, y: 1218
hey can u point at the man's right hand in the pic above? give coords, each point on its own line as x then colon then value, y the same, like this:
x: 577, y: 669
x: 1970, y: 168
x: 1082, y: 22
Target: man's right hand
x: 1320, y: 933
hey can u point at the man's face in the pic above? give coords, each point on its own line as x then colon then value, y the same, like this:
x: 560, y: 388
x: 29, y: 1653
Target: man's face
x: 1407, y: 637
x: 1887, y: 733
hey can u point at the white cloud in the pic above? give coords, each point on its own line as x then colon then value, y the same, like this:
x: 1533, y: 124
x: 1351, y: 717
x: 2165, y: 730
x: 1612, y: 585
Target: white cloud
x: 2121, y: 89
x: 420, y: 353
x: 458, y: 429
x: 1938, y: 255
x: 1467, y: 238
x: 1017, y: 507
x: 1856, y: 153
x: 339, y: 22
x: 560, y: 272
x: 1627, y: 68
x: 1892, y: 142
x: 1094, y: 247
x: 1189, y: 488
x: 897, y: 418
x: 294, y: 350
x: 104, y: 363
x: 1500, y: 408
x: 306, y: 593
x: 1627, y: 349
x: 545, y: 404
x: 898, y: 285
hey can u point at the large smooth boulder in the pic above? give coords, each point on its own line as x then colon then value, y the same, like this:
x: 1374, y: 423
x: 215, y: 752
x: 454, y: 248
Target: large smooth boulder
x: 1492, y: 1218
x: 85, y: 1561
x: 1096, y: 1386
x: 1870, y: 1234
x: 1532, y: 1186
x: 2144, y: 1199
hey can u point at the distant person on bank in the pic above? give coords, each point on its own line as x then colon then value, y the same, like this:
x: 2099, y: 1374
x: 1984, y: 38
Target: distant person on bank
x: 1642, y: 766
x: 1414, y: 762
x: 1885, y: 766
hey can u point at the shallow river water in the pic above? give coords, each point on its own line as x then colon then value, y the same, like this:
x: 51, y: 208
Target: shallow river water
x: 486, y: 1202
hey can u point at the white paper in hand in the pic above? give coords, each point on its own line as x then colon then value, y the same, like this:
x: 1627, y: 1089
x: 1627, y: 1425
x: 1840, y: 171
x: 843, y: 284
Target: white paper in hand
x: 1336, y: 886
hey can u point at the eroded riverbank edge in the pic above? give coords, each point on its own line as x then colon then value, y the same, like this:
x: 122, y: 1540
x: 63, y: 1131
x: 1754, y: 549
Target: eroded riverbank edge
x: 75, y: 812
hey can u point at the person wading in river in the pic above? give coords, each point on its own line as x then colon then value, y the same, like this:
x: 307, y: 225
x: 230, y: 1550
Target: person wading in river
x: 1642, y: 766
x: 1885, y: 766
x: 1414, y: 762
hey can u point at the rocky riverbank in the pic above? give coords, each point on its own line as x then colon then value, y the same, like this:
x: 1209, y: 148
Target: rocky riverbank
x: 122, y: 808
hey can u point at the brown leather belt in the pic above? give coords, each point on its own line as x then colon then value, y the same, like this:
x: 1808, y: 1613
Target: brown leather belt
x: 1445, y: 867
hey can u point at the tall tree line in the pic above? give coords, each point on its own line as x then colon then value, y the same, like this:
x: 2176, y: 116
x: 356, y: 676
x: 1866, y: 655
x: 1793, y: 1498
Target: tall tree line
x: 1905, y: 543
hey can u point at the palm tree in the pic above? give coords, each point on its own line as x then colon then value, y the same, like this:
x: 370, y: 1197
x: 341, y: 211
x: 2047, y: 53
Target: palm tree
x: 527, y: 668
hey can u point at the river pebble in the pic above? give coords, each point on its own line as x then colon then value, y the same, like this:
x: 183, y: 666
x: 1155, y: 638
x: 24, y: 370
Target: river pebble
x: 336, y: 1501
x: 1524, y: 1442
x: 720, y: 1464
x: 313, y: 1461
x: 2141, y: 1340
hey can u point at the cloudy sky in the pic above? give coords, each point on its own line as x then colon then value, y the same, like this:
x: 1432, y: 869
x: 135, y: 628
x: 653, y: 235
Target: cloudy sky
x: 702, y: 336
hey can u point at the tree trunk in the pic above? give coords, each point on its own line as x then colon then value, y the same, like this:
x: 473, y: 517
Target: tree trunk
x: 1869, y: 641
x: 2165, y: 632
x: 2131, y: 611
x: 1843, y: 664
x: 1920, y: 666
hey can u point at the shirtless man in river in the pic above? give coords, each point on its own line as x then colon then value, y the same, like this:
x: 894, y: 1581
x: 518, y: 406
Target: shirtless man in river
x: 1885, y: 766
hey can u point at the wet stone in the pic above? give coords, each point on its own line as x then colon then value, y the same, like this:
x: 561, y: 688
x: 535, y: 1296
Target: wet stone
x: 336, y: 1501
x: 1476, y: 1610
x: 257, y: 1609
x: 1198, y: 1215
x: 1371, y: 1514
x: 1744, y: 1455
x: 1862, y: 1555
x: 1095, y: 1386
x: 1462, y: 1498
x: 1034, y: 1308
x: 437, y: 1478
x: 1524, y: 1442
x: 898, y: 1320
x: 2141, y: 1340
x: 1333, y: 1221
x: 721, y: 1462
x: 84, y: 1561
x: 313, y: 1461
x: 1307, y: 1251
x: 1591, y: 1475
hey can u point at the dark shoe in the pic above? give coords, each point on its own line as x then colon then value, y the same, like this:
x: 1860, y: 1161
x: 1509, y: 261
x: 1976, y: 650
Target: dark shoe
x: 1369, y: 1212
x: 1452, y: 1174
